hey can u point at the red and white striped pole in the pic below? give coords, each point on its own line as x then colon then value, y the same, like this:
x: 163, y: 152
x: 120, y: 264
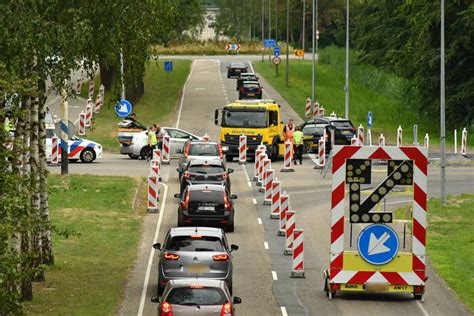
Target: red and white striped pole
x: 243, y: 149
x: 322, y: 111
x: 382, y: 140
x: 276, y: 193
x: 165, y: 158
x: 152, y: 194
x: 316, y: 110
x: 258, y: 152
x: 360, y: 135
x: 455, y: 141
x: 399, y: 136
x: 369, y: 137
x: 89, y: 113
x: 261, y: 158
x: 307, y: 108
x: 333, y: 140
x: 268, y: 184
x: 288, y: 158
x: 464, y: 141
x: 54, y: 150
x: 297, y: 270
x: 78, y: 85
x: 91, y: 88
x: 266, y: 165
x: 321, y: 152
x: 82, y: 124
x: 426, y: 142
x: 155, y: 168
x: 157, y: 155
x: 354, y: 141
x: 102, y: 91
x: 290, y: 227
x: 98, y: 100
x: 284, y: 207
x: 333, y: 114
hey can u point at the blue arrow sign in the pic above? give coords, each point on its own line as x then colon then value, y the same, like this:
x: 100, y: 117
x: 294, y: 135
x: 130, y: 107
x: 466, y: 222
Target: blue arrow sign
x: 276, y: 51
x: 378, y: 244
x: 269, y: 42
x: 168, y: 66
x: 369, y: 119
x: 123, y: 108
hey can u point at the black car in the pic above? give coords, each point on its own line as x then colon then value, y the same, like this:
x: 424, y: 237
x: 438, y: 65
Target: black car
x: 200, y: 171
x: 248, y: 76
x: 312, y: 133
x: 235, y: 69
x: 250, y: 90
x: 343, y: 129
x: 206, y: 205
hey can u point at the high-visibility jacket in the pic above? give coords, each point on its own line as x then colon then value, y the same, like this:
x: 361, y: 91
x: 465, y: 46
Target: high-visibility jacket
x: 289, y: 132
x: 152, y: 138
x: 298, y: 136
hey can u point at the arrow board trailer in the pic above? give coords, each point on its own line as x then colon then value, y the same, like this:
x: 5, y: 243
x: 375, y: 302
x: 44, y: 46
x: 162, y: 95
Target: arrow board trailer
x: 379, y: 258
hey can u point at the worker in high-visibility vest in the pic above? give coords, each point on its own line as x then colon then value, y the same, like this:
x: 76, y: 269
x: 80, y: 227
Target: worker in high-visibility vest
x: 152, y: 141
x: 289, y: 131
x: 298, y: 146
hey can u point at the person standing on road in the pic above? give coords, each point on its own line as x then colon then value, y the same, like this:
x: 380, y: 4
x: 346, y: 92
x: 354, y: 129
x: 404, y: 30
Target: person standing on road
x: 289, y: 131
x: 151, y: 141
x: 160, y: 132
x: 298, y: 145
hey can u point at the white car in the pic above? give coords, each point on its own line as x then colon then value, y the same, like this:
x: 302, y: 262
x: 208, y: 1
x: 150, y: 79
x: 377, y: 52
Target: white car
x: 139, y: 146
x: 78, y: 148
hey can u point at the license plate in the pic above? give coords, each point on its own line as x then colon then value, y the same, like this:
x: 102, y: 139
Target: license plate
x: 251, y: 94
x: 198, y: 268
x: 207, y: 208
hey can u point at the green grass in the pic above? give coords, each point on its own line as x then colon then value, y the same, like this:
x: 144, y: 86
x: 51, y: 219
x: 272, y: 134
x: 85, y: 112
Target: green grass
x: 390, y: 98
x: 92, y: 263
x: 159, y: 100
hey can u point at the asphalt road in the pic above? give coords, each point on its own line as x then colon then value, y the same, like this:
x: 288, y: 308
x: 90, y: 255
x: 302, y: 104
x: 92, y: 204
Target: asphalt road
x: 261, y: 271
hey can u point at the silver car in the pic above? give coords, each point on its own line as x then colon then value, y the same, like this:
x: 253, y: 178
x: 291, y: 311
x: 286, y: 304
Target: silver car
x: 198, y: 149
x: 195, y: 252
x: 196, y: 297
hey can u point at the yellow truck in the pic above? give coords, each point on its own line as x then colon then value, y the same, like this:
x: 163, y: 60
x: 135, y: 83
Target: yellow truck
x: 259, y: 120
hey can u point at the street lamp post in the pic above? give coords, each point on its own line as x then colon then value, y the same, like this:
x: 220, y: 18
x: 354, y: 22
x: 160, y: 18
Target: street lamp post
x: 263, y: 29
x: 346, y: 88
x: 313, y: 61
x: 287, y: 40
x: 443, y: 113
x: 304, y: 25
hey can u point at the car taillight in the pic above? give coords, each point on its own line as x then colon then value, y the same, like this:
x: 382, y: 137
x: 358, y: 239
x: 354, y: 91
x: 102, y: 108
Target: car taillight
x: 170, y: 256
x: 186, y: 175
x: 242, y: 89
x: 166, y: 309
x: 227, y: 204
x: 259, y: 90
x: 184, y: 204
x: 353, y: 129
x: 222, y: 257
x: 226, y: 309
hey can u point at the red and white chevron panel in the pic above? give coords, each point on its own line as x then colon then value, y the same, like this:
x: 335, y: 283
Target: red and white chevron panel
x: 298, y: 254
x: 290, y: 227
x: 266, y: 164
x: 419, y: 156
x: 157, y: 155
x: 288, y: 158
x: 54, y: 150
x: 166, y: 153
x: 284, y: 207
x: 261, y: 158
x: 152, y: 194
x: 268, y: 185
x: 276, y: 192
x: 258, y: 151
x: 242, y: 149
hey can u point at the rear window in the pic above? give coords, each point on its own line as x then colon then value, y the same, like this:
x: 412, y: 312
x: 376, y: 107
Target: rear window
x: 195, y: 243
x: 313, y: 129
x: 209, y: 196
x: 206, y: 169
x: 342, y: 124
x: 196, y: 296
x: 251, y: 85
x: 203, y: 150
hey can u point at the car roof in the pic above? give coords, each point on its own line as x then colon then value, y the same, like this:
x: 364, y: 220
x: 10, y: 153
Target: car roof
x: 212, y: 187
x: 197, y: 281
x: 202, y: 142
x: 238, y: 65
x: 250, y: 74
x: 251, y: 81
x: 210, y: 161
x: 203, y: 231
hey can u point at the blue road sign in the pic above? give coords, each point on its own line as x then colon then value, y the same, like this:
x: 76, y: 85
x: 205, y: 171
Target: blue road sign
x: 168, y: 66
x: 123, y: 108
x: 276, y: 51
x: 378, y: 244
x: 369, y: 119
x: 269, y: 42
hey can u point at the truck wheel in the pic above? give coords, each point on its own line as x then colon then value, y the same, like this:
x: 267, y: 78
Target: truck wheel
x: 274, y: 153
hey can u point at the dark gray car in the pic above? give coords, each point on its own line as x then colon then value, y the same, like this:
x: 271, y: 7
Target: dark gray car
x: 195, y: 252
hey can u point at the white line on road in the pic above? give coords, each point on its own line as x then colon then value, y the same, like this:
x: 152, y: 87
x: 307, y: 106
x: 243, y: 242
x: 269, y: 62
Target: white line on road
x: 259, y: 220
x: 249, y: 184
x: 250, y: 64
x: 275, y: 276
x: 254, y: 201
x: 183, y: 93
x: 152, y: 252
x: 399, y: 202
x: 423, y: 310
x: 265, y: 245
x: 283, y: 311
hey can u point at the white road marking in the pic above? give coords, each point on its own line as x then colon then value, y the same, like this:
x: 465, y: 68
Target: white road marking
x: 283, y: 311
x: 198, y: 89
x: 265, y: 245
x: 275, y: 276
x: 183, y: 93
x: 313, y: 158
x: 399, y: 202
x: 259, y: 220
x: 423, y: 310
x: 254, y: 201
x: 152, y: 251
x: 251, y: 68
x: 249, y: 184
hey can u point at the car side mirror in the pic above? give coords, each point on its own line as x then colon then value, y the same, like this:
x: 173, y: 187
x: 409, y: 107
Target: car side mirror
x: 156, y: 299
x: 230, y: 170
x: 179, y: 151
x: 177, y: 195
x: 157, y: 246
x: 233, y: 197
x: 234, y: 247
x: 237, y: 300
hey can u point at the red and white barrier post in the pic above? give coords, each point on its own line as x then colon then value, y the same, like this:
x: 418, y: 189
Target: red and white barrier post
x: 333, y: 114
x: 360, y: 135
x: 261, y: 164
x: 82, y: 124
x: 455, y: 141
x: 98, y: 100
x: 288, y: 158
x: 307, y: 108
x: 276, y: 195
x: 426, y: 142
x: 354, y: 141
x: 399, y: 136
x: 157, y: 155
x: 268, y: 184
x: 464, y: 141
x: 284, y: 207
x: 321, y: 153
x: 54, y: 150
x: 369, y: 137
x: 166, y: 154
x: 152, y: 194
x: 267, y: 165
x: 155, y: 169
x: 322, y: 111
x: 297, y: 270
x: 290, y: 227
x: 91, y: 88
x: 243, y: 149
x: 102, y: 91
x: 382, y: 140
x: 316, y: 109
x: 333, y: 140
x: 258, y: 152
x: 89, y: 112
x: 78, y: 85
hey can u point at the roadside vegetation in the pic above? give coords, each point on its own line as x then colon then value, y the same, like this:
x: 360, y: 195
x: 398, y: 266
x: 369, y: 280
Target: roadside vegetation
x: 96, y: 233
x: 210, y: 47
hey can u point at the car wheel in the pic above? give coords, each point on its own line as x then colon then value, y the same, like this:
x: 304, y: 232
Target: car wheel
x: 87, y: 155
x: 229, y: 158
x: 133, y: 156
x: 274, y: 153
x: 230, y: 228
x: 417, y: 296
x: 145, y: 152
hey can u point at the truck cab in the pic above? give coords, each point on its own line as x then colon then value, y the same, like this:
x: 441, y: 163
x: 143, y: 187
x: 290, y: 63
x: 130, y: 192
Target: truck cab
x: 259, y: 120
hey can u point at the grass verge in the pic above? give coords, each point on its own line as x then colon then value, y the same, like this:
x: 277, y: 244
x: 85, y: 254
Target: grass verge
x: 210, y: 47
x: 162, y: 93
x: 96, y: 235
x: 390, y: 98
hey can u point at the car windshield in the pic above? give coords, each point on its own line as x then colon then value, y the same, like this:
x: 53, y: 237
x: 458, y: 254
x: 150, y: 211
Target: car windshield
x: 313, y: 129
x: 196, y: 296
x: 206, y: 169
x: 244, y: 119
x: 203, y: 150
x: 195, y: 243
x: 342, y: 124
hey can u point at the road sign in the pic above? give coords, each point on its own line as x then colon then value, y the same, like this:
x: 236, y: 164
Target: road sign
x: 369, y: 119
x: 123, y: 108
x: 269, y: 42
x: 232, y: 47
x: 168, y: 66
x: 299, y: 52
x: 378, y: 244
x: 276, y: 60
x: 276, y: 51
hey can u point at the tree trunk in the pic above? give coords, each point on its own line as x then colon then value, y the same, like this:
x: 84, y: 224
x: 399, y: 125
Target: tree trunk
x: 107, y: 76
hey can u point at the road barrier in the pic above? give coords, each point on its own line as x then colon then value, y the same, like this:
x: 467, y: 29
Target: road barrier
x: 82, y: 124
x: 258, y: 152
x: 415, y: 134
x: 284, y: 207
x: 289, y: 228
x: 369, y: 137
x: 464, y: 141
x: 155, y: 169
x: 360, y: 135
x: 78, y: 85
x: 261, y: 158
x: 333, y: 114
x: 307, y: 108
x: 322, y: 111
x: 288, y: 158
x: 91, y: 88
x: 102, y: 92
x: 354, y: 141
x: 455, y: 141
x: 333, y: 141
x: 89, y: 113
x: 152, y: 194
x: 276, y: 195
x: 316, y: 110
x: 382, y: 140
x: 165, y: 158
x: 426, y: 142
x: 54, y: 150
x: 268, y: 184
x: 98, y: 100
x: 399, y: 136
x: 157, y: 155
x: 242, y: 149
x: 297, y: 270
x: 266, y: 165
